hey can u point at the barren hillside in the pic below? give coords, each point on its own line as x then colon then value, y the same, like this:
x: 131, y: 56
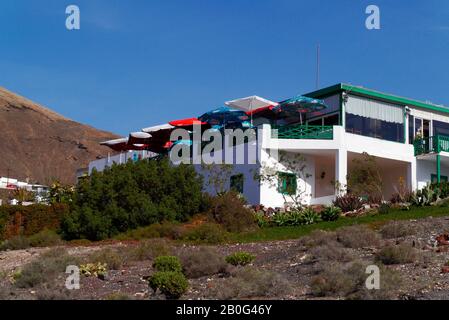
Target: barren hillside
x: 41, y: 145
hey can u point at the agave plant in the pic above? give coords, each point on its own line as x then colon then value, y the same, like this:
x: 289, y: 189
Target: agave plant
x: 330, y: 213
x: 309, y: 216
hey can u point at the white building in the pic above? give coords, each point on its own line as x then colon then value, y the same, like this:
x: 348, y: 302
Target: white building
x: 357, y: 120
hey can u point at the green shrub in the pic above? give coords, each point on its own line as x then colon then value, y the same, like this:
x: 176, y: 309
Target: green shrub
x: 240, y: 258
x: 384, y: 208
x: 330, y: 213
x: 202, y: 262
x: 296, y: 218
x: 210, y: 233
x: 172, y: 284
x: 309, y: 216
x: 45, y: 238
x: 167, y: 263
x: 125, y: 197
x: 262, y: 220
x: 164, y: 229
x: 229, y: 211
x: 397, y: 254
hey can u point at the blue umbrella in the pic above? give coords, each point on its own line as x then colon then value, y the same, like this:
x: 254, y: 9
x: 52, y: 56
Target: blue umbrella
x: 225, y: 117
x: 299, y: 104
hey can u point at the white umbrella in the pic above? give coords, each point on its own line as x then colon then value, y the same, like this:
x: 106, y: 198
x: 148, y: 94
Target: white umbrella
x: 249, y: 104
x: 165, y: 126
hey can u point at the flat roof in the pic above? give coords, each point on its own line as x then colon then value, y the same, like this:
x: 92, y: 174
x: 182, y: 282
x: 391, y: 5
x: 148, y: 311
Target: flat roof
x: 359, y: 90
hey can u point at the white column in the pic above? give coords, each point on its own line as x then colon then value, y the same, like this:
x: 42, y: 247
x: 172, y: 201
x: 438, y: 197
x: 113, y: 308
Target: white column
x: 411, y: 175
x: 341, y: 167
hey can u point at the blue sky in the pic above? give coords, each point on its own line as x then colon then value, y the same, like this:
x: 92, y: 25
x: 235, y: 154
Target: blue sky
x: 139, y: 63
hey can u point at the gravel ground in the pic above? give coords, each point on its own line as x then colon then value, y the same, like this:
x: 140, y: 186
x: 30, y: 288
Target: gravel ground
x: 291, y: 259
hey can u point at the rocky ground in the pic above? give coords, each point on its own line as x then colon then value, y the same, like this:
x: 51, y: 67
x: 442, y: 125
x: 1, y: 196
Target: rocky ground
x: 324, y: 265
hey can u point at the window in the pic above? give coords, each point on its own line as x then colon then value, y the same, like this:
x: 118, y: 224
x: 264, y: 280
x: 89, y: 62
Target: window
x: 237, y: 182
x: 287, y: 183
x: 374, y: 128
x: 440, y: 128
x: 434, y: 178
x: 411, y: 131
x: 330, y: 120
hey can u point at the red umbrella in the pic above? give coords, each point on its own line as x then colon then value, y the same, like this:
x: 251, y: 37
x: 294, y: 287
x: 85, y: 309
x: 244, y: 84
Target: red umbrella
x: 189, y: 123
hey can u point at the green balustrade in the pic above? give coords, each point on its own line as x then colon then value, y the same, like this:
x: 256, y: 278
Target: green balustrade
x: 432, y: 144
x: 304, y: 132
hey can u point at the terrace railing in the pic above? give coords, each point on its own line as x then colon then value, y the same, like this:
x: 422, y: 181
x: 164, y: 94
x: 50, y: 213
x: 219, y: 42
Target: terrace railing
x: 304, y: 132
x: 434, y: 144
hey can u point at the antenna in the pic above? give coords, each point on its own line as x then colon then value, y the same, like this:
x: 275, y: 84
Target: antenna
x: 318, y: 66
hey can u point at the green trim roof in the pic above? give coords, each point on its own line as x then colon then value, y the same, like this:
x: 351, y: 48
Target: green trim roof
x: 357, y: 90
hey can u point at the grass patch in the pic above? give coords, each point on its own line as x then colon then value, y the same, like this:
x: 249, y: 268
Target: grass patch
x: 374, y: 221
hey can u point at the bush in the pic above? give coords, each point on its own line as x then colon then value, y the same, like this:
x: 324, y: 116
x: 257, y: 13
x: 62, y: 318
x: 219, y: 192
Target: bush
x: 330, y: 213
x: 318, y: 238
x: 210, y: 233
x: 240, y: 258
x: 149, y: 249
x: 167, y: 263
x: 296, y: 218
x: 250, y: 282
x: 45, y: 238
x: 357, y: 237
x: 44, y: 269
x: 348, y: 282
x: 229, y: 211
x: 172, y: 284
x: 348, y: 202
x: 384, y: 208
x: 262, y: 220
x: 203, y: 262
x: 29, y: 220
x: 125, y: 197
x: 330, y: 253
x: 398, y: 229
x: 309, y: 216
x: 15, y: 243
x: 164, y: 229
x: 397, y: 254
x: 110, y: 257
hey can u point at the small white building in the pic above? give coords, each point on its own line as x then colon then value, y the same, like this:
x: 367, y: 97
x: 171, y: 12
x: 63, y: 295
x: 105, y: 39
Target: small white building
x: 357, y: 121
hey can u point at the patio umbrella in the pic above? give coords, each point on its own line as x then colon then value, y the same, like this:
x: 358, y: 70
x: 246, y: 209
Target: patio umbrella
x: 251, y: 104
x: 116, y: 144
x: 299, y: 104
x: 226, y: 117
x: 139, y: 138
x: 189, y: 123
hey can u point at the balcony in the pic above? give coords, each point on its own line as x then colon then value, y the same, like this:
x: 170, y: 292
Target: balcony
x: 434, y: 144
x: 303, y: 132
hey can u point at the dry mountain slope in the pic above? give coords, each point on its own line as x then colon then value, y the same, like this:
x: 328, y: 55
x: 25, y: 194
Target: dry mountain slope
x: 41, y: 145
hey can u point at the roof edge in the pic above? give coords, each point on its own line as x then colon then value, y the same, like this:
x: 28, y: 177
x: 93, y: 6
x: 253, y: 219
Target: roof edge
x: 358, y: 90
